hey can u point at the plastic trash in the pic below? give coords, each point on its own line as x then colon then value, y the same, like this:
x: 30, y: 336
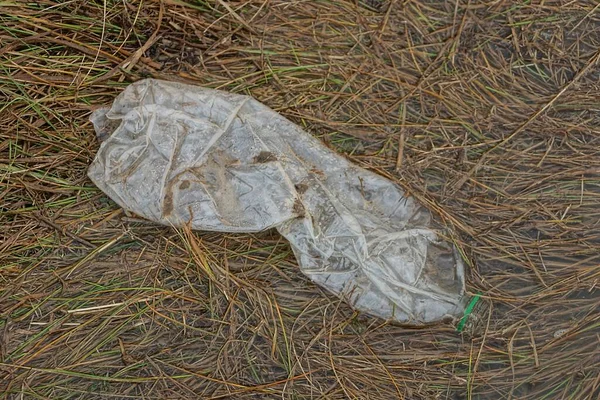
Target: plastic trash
x: 179, y: 154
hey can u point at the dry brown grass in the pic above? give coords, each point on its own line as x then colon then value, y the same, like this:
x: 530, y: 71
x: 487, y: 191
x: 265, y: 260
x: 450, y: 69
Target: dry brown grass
x: 487, y: 111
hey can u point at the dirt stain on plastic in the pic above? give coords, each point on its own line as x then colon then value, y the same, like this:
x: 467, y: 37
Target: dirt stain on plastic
x: 265, y: 157
x: 301, y: 188
x: 184, y: 185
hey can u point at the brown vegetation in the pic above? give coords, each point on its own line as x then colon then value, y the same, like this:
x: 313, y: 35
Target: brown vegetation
x: 486, y: 111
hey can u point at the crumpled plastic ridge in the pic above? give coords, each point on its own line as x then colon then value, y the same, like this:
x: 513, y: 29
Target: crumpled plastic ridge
x: 179, y: 154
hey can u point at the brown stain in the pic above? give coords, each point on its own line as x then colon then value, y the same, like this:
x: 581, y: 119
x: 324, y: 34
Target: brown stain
x: 318, y: 172
x: 298, y: 208
x: 184, y: 185
x: 265, y: 157
x: 168, y: 204
x: 301, y: 188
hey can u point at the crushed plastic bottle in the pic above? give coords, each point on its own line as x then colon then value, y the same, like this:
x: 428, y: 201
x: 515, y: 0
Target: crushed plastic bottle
x: 180, y: 155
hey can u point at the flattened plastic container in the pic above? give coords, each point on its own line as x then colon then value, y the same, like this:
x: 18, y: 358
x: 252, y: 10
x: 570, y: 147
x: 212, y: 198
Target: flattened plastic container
x: 179, y: 154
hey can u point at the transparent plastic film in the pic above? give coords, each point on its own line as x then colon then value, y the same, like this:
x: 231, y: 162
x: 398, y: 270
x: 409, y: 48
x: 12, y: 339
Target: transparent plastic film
x: 180, y: 155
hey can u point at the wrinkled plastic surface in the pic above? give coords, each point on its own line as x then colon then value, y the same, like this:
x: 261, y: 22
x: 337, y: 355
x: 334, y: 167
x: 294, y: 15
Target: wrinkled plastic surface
x: 179, y: 154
